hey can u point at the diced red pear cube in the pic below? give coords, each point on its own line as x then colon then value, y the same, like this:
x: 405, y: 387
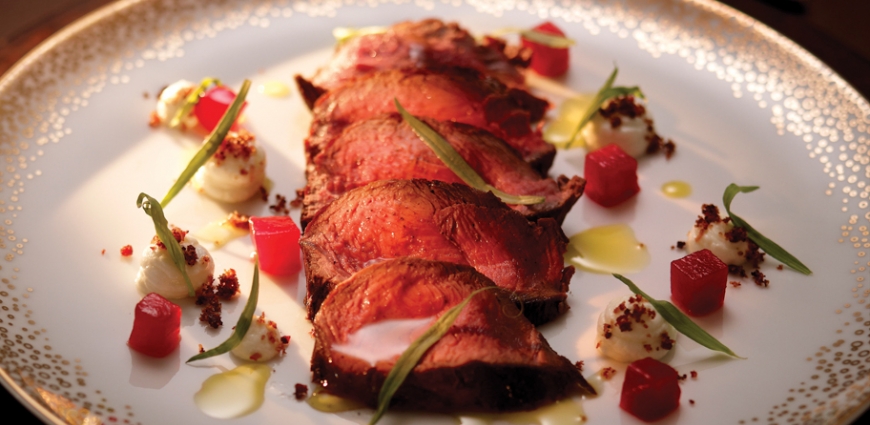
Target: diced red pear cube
x: 651, y: 390
x: 156, y: 326
x: 698, y: 282
x: 548, y: 61
x: 276, y: 240
x: 611, y: 176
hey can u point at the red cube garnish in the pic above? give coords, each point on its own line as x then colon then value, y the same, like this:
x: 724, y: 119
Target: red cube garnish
x: 547, y: 61
x: 276, y: 240
x: 698, y: 282
x: 213, y: 104
x: 611, y: 176
x: 156, y: 326
x: 651, y: 390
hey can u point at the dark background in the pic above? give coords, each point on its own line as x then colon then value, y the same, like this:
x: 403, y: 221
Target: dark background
x: 835, y: 31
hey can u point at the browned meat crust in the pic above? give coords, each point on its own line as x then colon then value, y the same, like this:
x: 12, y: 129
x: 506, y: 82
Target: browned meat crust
x: 448, y: 94
x: 385, y: 147
x: 491, y: 359
x: 419, y: 44
x: 437, y: 221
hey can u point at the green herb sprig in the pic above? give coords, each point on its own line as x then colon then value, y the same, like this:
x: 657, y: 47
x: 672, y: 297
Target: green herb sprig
x: 769, y: 246
x: 607, y: 91
x: 680, y: 321
x: 242, y: 326
x: 211, y: 144
x: 549, y: 40
x: 412, y: 355
x: 456, y: 163
x: 191, y: 100
x: 161, y: 226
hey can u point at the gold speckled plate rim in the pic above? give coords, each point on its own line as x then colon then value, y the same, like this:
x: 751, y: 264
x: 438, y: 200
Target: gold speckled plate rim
x: 855, y: 192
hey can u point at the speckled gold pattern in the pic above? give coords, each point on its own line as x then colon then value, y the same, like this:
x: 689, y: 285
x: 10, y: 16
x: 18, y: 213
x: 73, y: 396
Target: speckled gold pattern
x: 800, y: 96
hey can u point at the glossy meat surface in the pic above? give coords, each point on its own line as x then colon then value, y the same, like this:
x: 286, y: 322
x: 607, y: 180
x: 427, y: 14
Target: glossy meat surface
x: 416, y: 44
x: 385, y: 147
x: 450, y: 94
x: 437, y: 221
x: 491, y: 359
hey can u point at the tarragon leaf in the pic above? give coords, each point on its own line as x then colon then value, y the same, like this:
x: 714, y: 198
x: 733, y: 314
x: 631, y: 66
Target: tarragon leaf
x: 456, y: 163
x: 412, y: 355
x: 606, y: 92
x: 770, y: 247
x: 211, y: 144
x: 164, y: 233
x: 680, y: 321
x: 242, y: 326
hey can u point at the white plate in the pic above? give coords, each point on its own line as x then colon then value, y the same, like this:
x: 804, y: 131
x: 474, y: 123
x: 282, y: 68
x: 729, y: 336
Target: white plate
x: 742, y: 103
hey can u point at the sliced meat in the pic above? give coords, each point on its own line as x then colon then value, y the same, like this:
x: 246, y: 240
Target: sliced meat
x: 490, y: 360
x: 437, y: 221
x: 386, y: 147
x: 450, y: 94
x: 420, y: 44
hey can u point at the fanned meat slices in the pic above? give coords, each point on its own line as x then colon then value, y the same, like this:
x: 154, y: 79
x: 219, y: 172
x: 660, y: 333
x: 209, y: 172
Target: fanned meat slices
x: 437, y: 221
x: 449, y: 94
x: 417, y: 44
x: 385, y: 147
x: 490, y: 360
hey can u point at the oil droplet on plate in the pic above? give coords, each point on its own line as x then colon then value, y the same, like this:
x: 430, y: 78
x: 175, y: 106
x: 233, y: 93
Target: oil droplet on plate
x: 676, y: 189
x: 607, y: 249
x: 326, y: 402
x: 220, y: 232
x: 233, y: 393
x: 567, y: 411
x: 274, y: 89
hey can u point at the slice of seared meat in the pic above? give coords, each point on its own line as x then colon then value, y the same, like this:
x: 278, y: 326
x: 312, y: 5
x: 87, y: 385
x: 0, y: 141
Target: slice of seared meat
x: 450, y: 94
x: 437, y: 221
x: 490, y: 360
x: 418, y: 44
x: 386, y: 147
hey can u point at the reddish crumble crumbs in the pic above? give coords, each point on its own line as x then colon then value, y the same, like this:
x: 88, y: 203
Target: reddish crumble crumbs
x: 280, y: 207
x: 237, y: 145
x: 301, y: 392
x: 607, y: 373
x: 126, y: 250
x: 103, y: 252
x: 754, y: 256
x: 239, y: 220
x: 579, y: 365
x: 626, y: 106
x: 209, y: 296
x: 153, y: 119
x: 692, y: 402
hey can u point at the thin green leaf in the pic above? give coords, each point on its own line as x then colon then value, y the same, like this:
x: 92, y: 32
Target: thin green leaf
x: 549, y: 40
x: 606, y: 92
x: 211, y: 145
x: 412, y: 355
x: 164, y: 233
x: 680, y: 321
x: 344, y: 34
x: 456, y: 163
x: 769, y: 246
x: 242, y: 325
x: 191, y: 100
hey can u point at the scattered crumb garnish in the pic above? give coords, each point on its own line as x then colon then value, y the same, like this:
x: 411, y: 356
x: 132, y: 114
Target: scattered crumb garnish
x: 264, y: 194
x: 280, y: 206
x: 736, y: 284
x: 103, y: 252
x: 692, y: 402
x: 607, y: 373
x: 211, y: 310
x: 153, y: 120
x: 301, y: 392
x: 579, y: 365
x: 239, y: 220
x: 201, y: 349
x: 693, y: 374
x: 228, y: 285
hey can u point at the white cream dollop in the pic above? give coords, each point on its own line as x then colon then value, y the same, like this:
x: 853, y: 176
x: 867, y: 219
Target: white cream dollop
x: 713, y: 236
x: 157, y: 272
x: 171, y: 100
x: 630, y: 329
x: 236, y: 172
x: 633, y: 134
x: 262, y: 342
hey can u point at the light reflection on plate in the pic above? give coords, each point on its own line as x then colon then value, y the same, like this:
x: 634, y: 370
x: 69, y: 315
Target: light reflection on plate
x: 742, y: 103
